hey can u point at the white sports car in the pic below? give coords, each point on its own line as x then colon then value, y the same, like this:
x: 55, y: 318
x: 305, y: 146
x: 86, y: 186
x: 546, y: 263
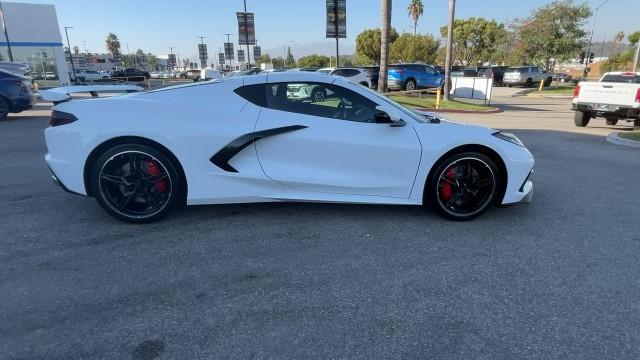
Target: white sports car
x: 247, y: 139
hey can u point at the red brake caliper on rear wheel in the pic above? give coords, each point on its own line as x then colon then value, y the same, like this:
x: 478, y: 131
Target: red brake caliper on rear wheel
x: 153, y: 170
x: 447, y: 190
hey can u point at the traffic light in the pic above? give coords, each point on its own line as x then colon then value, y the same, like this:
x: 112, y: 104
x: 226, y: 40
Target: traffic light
x: 591, y: 56
x: 582, y: 55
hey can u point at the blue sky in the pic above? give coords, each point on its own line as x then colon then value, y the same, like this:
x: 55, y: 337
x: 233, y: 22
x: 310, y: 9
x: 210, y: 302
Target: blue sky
x: 155, y: 25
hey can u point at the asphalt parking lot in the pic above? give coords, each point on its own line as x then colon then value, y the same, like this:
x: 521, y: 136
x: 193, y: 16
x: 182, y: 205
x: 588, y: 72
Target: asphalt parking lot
x: 556, y: 279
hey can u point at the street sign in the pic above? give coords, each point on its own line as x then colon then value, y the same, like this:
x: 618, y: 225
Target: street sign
x: 336, y: 19
x: 246, y: 29
x: 171, y: 60
x: 228, y: 51
x: 241, y: 56
x: 257, y: 53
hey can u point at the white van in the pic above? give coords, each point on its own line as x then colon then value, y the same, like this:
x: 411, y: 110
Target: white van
x: 209, y: 74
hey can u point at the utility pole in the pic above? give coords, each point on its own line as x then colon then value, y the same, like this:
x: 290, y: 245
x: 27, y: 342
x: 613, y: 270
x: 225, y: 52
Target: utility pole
x: 6, y: 35
x: 593, y: 27
x: 225, y: 50
x: 84, y: 45
x: 66, y: 32
x: 449, y: 51
x: 246, y: 33
x: 335, y: 24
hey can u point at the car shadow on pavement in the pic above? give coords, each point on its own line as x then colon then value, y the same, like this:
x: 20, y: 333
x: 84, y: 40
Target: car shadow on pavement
x: 511, y: 107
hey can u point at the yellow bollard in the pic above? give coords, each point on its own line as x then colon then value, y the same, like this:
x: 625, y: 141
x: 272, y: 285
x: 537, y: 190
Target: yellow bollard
x: 540, y: 88
x: 437, y: 98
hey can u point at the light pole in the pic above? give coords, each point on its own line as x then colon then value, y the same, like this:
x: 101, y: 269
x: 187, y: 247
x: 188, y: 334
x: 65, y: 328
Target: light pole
x: 6, y: 34
x: 635, y: 60
x: 225, y: 49
x: 171, y: 53
x: 203, y: 60
x: 588, y: 53
x: 246, y: 32
x: 73, y: 69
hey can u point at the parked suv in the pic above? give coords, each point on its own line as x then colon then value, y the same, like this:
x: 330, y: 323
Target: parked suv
x: 16, y: 94
x: 413, y: 76
x: 527, y: 76
x: 357, y: 75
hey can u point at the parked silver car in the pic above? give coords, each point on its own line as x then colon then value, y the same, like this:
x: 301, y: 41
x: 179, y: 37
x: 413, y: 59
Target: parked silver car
x: 527, y: 76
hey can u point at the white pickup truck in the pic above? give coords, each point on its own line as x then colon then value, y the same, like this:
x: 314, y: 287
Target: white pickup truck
x: 616, y: 96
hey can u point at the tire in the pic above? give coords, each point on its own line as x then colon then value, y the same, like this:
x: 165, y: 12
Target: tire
x: 4, y: 109
x: 612, y: 121
x: 136, y: 183
x: 548, y: 81
x: 318, y: 95
x: 475, y: 192
x: 410, y: 85
x: 581, y: 119
x: 529, y: 83
x: 509, y: 85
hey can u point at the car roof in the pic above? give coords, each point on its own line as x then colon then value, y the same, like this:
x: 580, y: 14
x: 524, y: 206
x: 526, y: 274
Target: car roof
x: 287, y: 76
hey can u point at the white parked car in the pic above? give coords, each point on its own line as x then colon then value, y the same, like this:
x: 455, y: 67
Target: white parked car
x: 357, y: 75
x: 90, y: 75
x: 616, y: 96
x: 526, y: 76
x: 245, y: 139
x: 210, y: 74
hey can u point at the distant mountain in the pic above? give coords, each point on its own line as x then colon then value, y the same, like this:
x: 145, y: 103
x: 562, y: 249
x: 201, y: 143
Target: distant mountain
x: 322, y: 48
x: 608, y: 48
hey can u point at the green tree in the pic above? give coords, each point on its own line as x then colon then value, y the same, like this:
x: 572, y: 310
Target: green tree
x: 368, y: 45
x: 264, y: 59
x: 314, y: 61
x: 475, y: 39
x: 415, y: 10
x: 277, y: 62
x: 553, y: 33
x: 414, y: 48
x: 622, y: 61
x: 113, y: 44
x: 152, y: 60
x: 291, y: 61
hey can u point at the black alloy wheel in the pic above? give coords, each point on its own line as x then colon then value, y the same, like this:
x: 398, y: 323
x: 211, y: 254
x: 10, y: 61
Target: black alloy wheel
x: 410, y: 85
x: 465, y: 185
x: 136, y: 183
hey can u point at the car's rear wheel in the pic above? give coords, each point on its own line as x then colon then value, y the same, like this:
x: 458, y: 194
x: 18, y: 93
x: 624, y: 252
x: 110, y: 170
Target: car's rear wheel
x: 464, y: 185
x: 529, y: 83
x: 548, y: 81
x: 4, y: 109
x: 410, y: 85
x: 581, y: 119
x: 612, y: 121
x: 136, y: 183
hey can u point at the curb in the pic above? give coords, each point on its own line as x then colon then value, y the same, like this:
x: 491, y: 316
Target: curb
x: 454, y: 111
x: 615, y: 139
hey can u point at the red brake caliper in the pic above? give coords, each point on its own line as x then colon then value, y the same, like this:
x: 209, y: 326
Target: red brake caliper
x: 153, y: 170
x: 447, y: 190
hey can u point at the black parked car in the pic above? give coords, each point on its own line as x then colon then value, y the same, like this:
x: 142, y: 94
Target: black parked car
x: 130, y: 74
x: 16, y: 94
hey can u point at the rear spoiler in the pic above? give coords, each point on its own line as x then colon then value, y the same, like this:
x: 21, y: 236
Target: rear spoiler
x: 62, y: 94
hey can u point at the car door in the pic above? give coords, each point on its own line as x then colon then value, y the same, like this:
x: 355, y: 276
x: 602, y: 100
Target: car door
x: 334, y: 145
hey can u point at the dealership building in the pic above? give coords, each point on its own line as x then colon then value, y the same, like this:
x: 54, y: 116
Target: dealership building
x: 31, y: 35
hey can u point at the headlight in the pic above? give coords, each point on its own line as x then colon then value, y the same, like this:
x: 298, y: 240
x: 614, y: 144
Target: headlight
x: 508, y: 137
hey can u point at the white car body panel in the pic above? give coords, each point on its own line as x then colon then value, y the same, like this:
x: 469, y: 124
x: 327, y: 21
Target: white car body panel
x: 329, y: 161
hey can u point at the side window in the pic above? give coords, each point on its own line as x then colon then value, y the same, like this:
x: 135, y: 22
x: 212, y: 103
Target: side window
x: 320, y: 99
x: 533, y: 70
x: 254, y: 94
x: 429, y: 70
x: 350, y: 72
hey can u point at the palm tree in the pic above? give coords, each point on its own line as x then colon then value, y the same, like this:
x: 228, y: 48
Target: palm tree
x: 113, y: 44
x: 415, y: 10
x: 385, y: 15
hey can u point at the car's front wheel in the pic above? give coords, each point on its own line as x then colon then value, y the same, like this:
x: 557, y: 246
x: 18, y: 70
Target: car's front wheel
x: 410, y: 85
x: 136, y: 183
x: 464, y: 185
x: 581, y: 119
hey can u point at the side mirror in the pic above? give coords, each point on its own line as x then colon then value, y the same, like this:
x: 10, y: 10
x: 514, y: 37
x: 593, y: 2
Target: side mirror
x: 388, y: 115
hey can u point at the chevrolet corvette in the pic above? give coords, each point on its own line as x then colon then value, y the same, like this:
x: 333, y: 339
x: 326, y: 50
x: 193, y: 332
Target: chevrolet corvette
x: 255, y: 139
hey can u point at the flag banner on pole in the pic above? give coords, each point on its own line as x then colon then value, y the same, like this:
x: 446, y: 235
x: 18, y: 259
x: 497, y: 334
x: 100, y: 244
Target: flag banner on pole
x: 246, y: 29
x: 336, y: 19
x: 221, y: 58
x: 241, y: 56
x: 228, y: 51
x: 257, y: 53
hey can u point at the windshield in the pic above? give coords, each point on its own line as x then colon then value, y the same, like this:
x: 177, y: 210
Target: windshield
x: 622, y: 78
x: 324, y: 71
x: 405, y: 110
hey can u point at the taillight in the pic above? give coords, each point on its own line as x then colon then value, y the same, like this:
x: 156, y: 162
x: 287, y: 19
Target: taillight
x: 638, y: 95
x: 576, y: 91
x: 61, y: 118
